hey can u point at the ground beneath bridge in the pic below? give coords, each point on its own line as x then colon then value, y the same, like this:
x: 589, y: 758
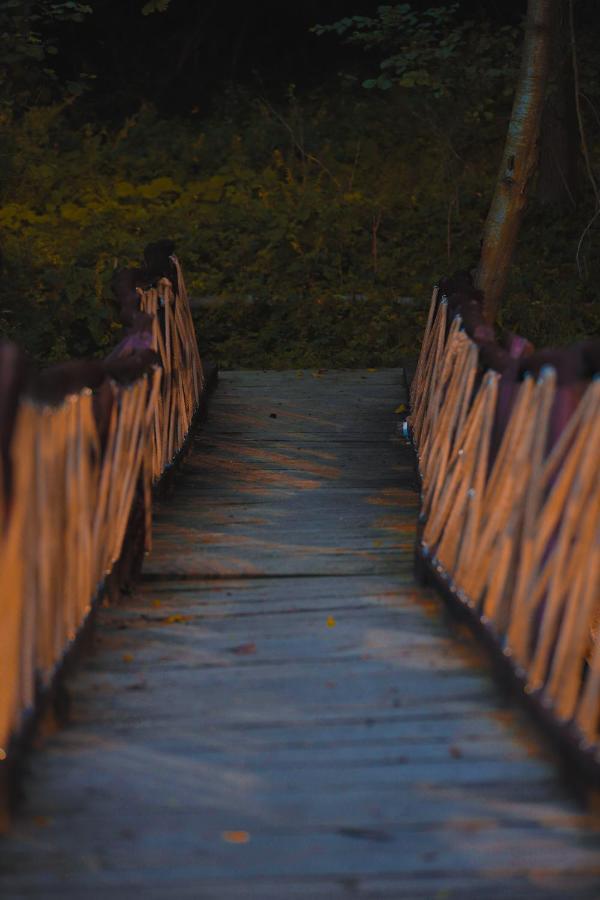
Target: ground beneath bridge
x: 281, y: 712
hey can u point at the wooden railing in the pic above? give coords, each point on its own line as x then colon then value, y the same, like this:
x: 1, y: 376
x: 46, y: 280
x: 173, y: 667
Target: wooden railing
x: 510, y: 525
x: 82, y: 446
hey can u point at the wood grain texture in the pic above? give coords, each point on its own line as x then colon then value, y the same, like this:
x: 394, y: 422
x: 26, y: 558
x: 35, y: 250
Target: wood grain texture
x: 281, y: 712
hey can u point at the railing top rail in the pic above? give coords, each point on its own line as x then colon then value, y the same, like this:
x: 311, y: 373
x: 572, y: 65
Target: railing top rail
x: 507, y: 442
x: 81, y: 444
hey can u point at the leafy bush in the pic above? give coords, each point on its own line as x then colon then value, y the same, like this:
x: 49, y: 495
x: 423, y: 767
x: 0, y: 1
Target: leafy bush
x: 307, y: 224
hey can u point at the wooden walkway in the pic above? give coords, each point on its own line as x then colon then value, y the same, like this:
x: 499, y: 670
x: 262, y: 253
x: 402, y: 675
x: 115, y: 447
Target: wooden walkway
x: 281, y: 712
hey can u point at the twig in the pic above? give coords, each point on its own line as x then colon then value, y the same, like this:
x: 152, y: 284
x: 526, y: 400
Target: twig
x: 354, y: 165
x: 582, y: 238
x: 563, y: 178
x: 374, y: 229
x: 299, y: 147
x: 452, y: 203
x: 592, y: 107
x: 584, y: 144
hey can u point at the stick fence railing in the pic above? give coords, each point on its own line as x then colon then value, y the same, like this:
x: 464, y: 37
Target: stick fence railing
x: 511, y: 518
x: 74, y: 473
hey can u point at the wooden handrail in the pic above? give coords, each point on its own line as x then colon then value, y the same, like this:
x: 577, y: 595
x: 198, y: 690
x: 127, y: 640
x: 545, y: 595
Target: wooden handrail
x: 82, y: 446
x: 511, y: 519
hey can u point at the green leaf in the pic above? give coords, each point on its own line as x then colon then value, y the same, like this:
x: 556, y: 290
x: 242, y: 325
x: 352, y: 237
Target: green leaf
x: 155, y: 6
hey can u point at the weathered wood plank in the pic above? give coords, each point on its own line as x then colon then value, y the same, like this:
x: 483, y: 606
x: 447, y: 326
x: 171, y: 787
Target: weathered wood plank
x: 281, y: 713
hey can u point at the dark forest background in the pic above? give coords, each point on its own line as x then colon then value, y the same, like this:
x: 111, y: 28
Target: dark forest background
x: 312, y: 213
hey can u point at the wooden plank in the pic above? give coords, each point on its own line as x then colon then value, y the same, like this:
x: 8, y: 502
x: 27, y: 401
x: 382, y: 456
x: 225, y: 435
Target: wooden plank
x: 536, y: 886
x: 399, y: 887
x: 281, y: 681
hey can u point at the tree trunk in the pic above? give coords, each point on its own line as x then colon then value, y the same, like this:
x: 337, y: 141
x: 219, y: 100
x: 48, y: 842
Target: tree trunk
x: 559, y: 137
x: 519, y: 159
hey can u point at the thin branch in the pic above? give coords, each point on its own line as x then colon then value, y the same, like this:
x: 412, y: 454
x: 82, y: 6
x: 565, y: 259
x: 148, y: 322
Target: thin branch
x: 376, y: 222
x: 582, y: 135
x: 584, y: 144
x: 298, y: 145
x: 355, y: 164
x: 453, y: 202
x: 592, y: 107
x: 560, y: 171
x: 582, y: 239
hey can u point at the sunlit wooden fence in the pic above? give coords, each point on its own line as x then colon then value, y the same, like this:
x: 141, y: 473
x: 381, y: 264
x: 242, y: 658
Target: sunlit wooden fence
x: 511, y: 517
x: 74, y: 472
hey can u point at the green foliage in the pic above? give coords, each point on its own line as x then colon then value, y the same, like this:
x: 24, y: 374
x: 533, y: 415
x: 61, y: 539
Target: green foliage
x: 546, y: 300
x: 419, y: 44
x: 155, y: 6
x: 436, y: 55
x: 308, y: 227
x: 27, y: 71
x: 330, y: 331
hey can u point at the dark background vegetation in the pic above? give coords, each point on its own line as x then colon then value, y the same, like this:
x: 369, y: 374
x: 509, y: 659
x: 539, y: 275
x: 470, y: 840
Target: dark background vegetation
x: 311, y: 214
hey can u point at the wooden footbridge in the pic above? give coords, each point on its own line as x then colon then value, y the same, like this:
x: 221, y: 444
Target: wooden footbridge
x: 278, y: 709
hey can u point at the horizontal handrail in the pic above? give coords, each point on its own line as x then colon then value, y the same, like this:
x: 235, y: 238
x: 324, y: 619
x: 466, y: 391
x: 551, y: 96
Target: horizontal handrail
x: 511, y: 513
x: 82, y: 445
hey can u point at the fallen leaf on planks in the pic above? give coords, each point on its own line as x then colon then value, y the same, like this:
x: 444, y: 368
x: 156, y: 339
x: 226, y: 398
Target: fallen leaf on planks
x: 235, y: 837
x: 244, y: 649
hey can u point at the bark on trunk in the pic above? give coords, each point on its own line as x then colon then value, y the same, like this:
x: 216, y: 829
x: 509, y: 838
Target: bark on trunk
x: 519, y: 159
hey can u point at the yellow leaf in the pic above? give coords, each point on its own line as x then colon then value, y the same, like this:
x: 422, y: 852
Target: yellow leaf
x: 156, y: 604
x: 73, y: 213
x: 353, y: 197
x: 128, y: 657
x: 371, y: 370
x: 400, y: 408
x: 236, y: 837
x: 331, y: 623
x: 158, y: 186
x: 124, y: 189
